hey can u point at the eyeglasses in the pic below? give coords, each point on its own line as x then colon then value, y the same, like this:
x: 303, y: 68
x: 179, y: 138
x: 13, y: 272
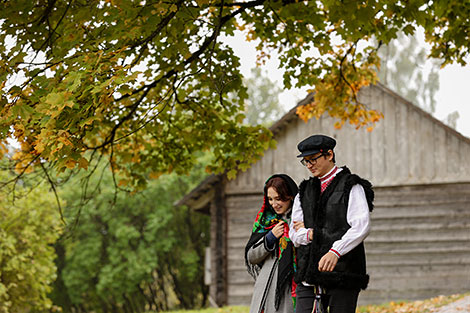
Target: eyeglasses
x: 313, y: 161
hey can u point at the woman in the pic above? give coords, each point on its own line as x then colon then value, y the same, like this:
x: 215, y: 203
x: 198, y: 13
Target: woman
x: 269, y: 253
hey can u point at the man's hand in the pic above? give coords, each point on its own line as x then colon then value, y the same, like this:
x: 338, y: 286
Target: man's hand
x: 327, y: 262
x: 278, y: 230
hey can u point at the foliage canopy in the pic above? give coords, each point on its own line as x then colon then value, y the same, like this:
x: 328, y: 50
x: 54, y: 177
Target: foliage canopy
x: 147, y: 82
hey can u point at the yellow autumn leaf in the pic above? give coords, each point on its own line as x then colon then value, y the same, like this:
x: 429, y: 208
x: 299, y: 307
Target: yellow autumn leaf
x: 65, y: 141
x: 24, y: 167
x: 17, y: 155
x: 338, y: 125
x: 83, y: 163
x: 70, y: 164
x: 155, y: 175
x: 39, y: 147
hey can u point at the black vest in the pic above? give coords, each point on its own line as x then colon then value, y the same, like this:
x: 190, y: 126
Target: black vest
x: 326, y: 213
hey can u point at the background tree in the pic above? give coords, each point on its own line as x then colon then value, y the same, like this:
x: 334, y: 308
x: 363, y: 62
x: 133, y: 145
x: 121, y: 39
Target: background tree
x: 262, y: 107
x: 451, y: 119
x: 133, y: 253
x: 403, y: 69
x: 146, y: 83
x: 406, y: 70
x: 29, y: 225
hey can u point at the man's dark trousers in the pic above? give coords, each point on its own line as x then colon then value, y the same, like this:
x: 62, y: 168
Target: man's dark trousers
x: 336, y: 300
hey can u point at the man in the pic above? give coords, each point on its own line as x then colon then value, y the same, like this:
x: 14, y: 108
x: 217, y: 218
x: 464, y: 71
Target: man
x: 330, y: 221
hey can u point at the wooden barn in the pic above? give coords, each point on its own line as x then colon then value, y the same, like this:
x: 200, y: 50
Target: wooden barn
x: 419, y: 245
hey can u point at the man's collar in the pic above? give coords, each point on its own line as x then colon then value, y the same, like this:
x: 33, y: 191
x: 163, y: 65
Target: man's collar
x: 333, y: 169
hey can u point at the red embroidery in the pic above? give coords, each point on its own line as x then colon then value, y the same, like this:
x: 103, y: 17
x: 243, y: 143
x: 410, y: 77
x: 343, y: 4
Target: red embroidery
x: 325, y: 181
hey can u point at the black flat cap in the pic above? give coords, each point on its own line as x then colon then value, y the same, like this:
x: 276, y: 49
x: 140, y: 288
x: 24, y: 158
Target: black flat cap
x: 315, y: 144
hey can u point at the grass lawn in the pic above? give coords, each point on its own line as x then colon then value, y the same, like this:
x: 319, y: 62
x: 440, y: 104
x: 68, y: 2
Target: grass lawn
x: 421, y: 306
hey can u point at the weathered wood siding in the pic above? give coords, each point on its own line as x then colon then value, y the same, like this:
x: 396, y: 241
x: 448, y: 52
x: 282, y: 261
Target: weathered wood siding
x: 419, y: 245
x: 241, y: 211
x: 218, y: 247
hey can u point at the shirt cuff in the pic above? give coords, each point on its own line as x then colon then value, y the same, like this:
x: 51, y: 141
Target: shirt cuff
x: 308, y: 232
x: 335, y: 253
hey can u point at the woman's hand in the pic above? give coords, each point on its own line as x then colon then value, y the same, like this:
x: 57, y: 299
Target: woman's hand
x: 278, y: 230
x: 298, y: 225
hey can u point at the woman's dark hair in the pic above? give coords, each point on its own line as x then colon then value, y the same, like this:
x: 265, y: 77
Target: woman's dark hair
x: 280, y: 186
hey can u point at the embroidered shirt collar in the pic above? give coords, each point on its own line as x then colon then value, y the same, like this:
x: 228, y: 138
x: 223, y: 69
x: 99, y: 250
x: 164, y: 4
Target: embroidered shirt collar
x: 330, y: 174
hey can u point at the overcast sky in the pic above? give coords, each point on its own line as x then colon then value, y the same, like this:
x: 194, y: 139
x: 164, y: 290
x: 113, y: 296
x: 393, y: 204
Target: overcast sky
x: 453, y: 94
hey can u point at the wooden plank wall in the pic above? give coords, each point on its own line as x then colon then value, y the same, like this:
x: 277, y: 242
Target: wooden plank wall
x: 218, y: 247
x: 419, y: 246
x: 241, y: 211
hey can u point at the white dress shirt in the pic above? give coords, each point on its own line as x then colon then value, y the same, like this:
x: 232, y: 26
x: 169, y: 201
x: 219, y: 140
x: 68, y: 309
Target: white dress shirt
x: 357, y: 217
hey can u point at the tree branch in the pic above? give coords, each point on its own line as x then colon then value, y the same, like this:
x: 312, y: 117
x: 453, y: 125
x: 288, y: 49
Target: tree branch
x: 52, y: 184
x: 46, y: 17
x: 342, y: 74
x: 158, y: 29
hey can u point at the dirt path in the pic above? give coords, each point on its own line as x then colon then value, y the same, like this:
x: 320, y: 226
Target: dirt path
x: 459, y: 306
